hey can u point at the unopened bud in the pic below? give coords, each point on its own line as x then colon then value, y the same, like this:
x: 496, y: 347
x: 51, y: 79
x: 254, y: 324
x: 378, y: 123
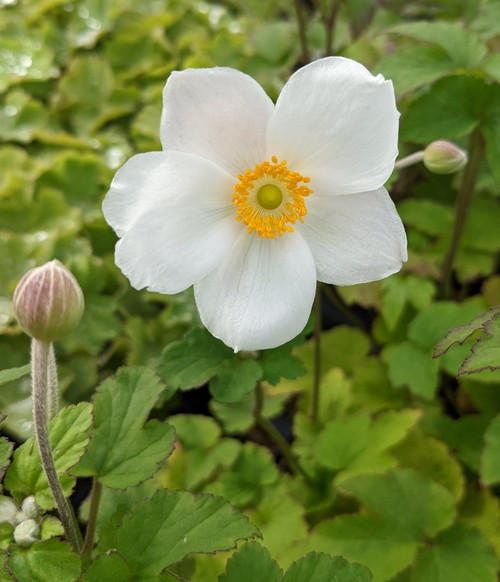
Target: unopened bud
x: 48, y: 302
x: 27, y: 533
x: 8, y: 510
x: 444, y: 157
x: 30, y: 507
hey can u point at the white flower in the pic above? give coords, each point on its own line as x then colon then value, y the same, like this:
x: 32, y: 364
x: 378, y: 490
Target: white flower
x: 252, y: 202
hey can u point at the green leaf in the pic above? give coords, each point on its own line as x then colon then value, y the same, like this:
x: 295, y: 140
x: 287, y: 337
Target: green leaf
x: 231, y: 385
x: 316, y: 566
x: 432, y: 459
x: 414, y: 504
x: 356, y: 445
x: 427, y: 216
x: 428, y: 63
x: 193, y: 360
x: 46, y: 561
x: 409, y: 366
x: 125, y: 449
x: 5, y: 453
x: 451, y: 109
x: 14, y: 373
x: 486, y: 350
x: 252, y: 563
x: 460, y: 554
x: 464, y: 48
x: 410, y: 508
x: 252, y: 472
x: 490, y: 459
x: 380, y: 546
x: 68, y: 439
x: 432, y: 323
x: 462, y: 332
x: 172, y: 524
x: 280, y: 520
x: 109, y: 568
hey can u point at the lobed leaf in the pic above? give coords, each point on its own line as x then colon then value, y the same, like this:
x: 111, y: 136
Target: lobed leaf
x: 462, y: 332
x: 193, y: 360
x: 125, y: 449
x: 162, y: 530
x: 68, y: 439
x: 486, y: 350
x: 46, y: 561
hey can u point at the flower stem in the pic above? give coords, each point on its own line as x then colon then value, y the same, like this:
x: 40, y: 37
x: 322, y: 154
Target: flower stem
x: 274, y: 434
x: 329, y: 21
x: 317, y: 356
x: 301, y: 23
x: 464, y: 198
x: 95, y: 498
x: 52, y: 386
x: 39, y: 369
x: 409, y: 160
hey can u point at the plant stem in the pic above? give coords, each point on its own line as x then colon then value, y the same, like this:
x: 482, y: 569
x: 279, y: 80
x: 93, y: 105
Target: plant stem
x: 52, y: 386
x: 329, y: 22
x: 317, y: 356
x: 95, y: 498
x: 301, y: 23
x: 464, y: 198
x: 410, y: 160
x: 274, y: 434
x: 39, y: 369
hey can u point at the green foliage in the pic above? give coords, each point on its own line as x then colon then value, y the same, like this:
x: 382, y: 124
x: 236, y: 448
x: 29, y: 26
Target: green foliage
x: 253, y: 563
x: 160, y: 531
x: 68, y: 439
x: 46, y: 561
x: 400, y: 469
x: 128, y: 450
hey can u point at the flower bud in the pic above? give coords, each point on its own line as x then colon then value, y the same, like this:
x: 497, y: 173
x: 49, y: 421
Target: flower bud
x: 444, y: 157
x: 8, y: 510
x: 48, y: 302
x: 30, y: 507
x: 27, y: 533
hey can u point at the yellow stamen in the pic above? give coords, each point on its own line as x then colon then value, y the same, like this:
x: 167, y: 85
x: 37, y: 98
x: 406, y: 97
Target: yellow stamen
x: 270, y: 198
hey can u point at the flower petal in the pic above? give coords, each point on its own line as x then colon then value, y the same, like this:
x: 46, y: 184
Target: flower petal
x: 356, y: 238
x: 219, y: 114
x: 174, y: 214
x: 338, y: 124
x: 260, y: 296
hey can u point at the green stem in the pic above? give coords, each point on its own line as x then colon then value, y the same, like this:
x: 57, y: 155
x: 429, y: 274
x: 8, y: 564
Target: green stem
x: 336, y: 300
x: 462, y: 204
x: 301, y: 23
x: 410, y: 160
x: 95, y: 498
x: 39, y: 369
x: 52, y: 385
x: 317, y: 356
x: 329, y: 21
x: 274, y: 434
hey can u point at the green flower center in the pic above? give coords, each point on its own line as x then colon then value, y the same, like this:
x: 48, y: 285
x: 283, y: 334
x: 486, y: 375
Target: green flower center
x: 269, y: 196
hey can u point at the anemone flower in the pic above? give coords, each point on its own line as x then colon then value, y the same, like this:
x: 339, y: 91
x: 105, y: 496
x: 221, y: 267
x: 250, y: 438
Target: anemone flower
x: 253, y: 202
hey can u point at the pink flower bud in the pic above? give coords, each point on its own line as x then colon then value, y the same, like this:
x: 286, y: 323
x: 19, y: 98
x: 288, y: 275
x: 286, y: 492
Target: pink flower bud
x: 444, y: 157
x: 48, y: 302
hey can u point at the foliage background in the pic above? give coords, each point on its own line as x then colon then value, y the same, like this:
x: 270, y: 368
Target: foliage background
x: 404, y: 462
